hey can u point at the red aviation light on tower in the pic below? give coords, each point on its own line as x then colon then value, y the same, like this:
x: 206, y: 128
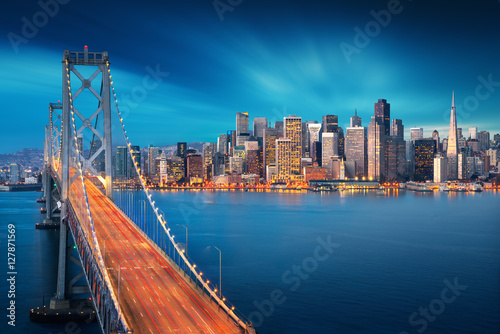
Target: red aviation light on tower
x: 85, y: 47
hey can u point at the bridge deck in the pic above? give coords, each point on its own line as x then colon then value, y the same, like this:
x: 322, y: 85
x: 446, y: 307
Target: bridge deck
x: 154, y: 298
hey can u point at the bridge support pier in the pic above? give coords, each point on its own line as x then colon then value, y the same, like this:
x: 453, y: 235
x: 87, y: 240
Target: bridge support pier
x: 60, y: 301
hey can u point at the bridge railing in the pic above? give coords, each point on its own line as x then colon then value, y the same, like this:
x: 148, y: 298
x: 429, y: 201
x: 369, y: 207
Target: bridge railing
x: 133, y: 197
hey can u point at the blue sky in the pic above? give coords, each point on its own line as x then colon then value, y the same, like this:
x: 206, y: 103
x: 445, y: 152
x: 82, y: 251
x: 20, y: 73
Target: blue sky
x: 268, y: 58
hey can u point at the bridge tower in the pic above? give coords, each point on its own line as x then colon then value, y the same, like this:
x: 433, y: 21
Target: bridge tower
x: 51, y: 153
x: 72, y: 61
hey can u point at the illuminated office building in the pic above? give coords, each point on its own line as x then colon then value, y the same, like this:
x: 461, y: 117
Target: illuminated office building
x: 376, y: 149
x: 269, y: 148
x: 356, y: 149
x: 283, y: 159
x: 440, y: 168
x: 293, y: 131
x: 329, y: 149
x: 425, y: 150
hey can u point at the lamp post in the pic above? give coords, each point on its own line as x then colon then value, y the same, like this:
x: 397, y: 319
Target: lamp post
x: 119, y: 270
x: 105, y: 248
x: 186, y: 237
x: 143, y: 212
x: 220, y: 271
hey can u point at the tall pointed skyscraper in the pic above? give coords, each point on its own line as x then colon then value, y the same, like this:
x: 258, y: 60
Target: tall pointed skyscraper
x: 452, y: 149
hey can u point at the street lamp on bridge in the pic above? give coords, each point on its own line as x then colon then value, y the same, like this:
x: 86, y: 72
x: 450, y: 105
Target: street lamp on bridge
x: 220, y: 270
x: 186, y: 237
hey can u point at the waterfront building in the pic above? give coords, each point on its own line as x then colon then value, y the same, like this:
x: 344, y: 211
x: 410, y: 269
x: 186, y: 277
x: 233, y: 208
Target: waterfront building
x: 356, y: 149
x: 440, y: 168
x: 283, y: 159
x: 175, y: 169
x: 425, y: 150
x: 329, y: 148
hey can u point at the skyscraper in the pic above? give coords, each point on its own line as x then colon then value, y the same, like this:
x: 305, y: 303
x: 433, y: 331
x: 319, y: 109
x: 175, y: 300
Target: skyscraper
x: 181, y: 150
x: 425, y: 150
x: 355, y: 120
x: 15, y: 173
x: 440, y: 168
x: 376, y: 149
x: 314, y: 133
x: 259, y: 124
x: 153, y: 153
x: 208, y: 158
x: 194, y: 168
x: 121, y: 165
x: 253, y: 158
x: 269, y: 148
x: 473, y: 132
x: 397, y: 128
x: 222, y: 144
x: 356, y: 149
x: 452, y: 148
x: 395, y: 158
x: 329, y: 149
x: 242, y: 128
x: 435, y: 136
x: 136, y: 154
x: 383, y: 115
x: 283, y: 159
x: 484, y: 140
x: 293, y: 131
x: 306, y: 147
x: 416, y: 133
x: 330, y: 123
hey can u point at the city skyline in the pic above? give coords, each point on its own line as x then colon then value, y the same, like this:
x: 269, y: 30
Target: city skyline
x: 208, y: 69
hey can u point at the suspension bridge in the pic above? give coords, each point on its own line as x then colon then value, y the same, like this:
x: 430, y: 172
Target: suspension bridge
x: 140, y: 280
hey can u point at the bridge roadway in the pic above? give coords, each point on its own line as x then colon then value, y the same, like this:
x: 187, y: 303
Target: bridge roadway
x: 154, y: 298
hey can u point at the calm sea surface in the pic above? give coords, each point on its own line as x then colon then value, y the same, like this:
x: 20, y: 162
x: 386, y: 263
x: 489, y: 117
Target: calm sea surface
x: 353, y: 262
